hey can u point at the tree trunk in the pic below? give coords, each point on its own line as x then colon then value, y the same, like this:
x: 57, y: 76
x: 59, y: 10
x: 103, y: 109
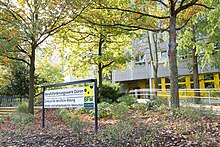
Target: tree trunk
x: 195, y: 75
x: 155, y: 67
x: 155, y: 82
x: 101, y: 41
x: 100, y: 75
x: 174, y: 90
x: 154, y: 61
x: 195, y: 68
x: 31, y: 81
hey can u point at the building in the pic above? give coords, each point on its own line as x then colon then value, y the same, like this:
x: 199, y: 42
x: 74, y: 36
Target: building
x: 139, y: 73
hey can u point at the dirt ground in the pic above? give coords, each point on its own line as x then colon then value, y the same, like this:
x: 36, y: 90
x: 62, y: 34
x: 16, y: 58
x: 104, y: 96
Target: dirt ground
x: 150, y: 129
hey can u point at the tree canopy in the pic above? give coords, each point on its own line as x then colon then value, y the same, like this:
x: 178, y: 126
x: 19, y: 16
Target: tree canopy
x: 29, y: 24
x: 97, y: 32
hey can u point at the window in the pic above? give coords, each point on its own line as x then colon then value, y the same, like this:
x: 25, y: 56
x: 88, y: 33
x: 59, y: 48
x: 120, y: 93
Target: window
x: 209, y: 81
x: 184, y: 54
x: 209, y: 85
x: 162, y: 56
x: 167, y: 80
x: 182, y: 86
x: 140, y: 60
x: 182, y: 79
x: 167, y: 86
x: 209, y: 77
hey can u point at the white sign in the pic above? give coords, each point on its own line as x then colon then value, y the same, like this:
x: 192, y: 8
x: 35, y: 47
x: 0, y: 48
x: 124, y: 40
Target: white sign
x: 64, y: 98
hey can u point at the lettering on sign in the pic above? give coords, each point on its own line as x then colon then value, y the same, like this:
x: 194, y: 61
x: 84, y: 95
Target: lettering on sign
x: 70, y: 97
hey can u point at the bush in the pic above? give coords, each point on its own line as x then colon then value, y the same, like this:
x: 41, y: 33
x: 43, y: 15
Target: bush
x: 119, y: 110
x: 1, y: 120
x: 109, y: 93
x: 121, y: 133
x: 163, y: 109
x: 77, y: 126
x: 156, y: 103
x: 140, y: 107
x: 85, y: 110
x: 128, y: 100
x: 65, y: 115
x: 104, y: 110
x: 23, y: 107
x: 191, y: 113
x: 23, y: 118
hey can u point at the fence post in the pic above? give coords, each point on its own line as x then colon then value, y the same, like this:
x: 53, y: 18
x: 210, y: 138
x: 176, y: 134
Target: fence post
x: 20, y: 99
x: 209, y: 98
x: 135, y: 92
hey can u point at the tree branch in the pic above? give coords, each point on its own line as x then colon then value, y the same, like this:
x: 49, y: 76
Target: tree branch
x: 21, y: 49
x: 106, y: 65
x: 18, y: 59
x: 186, y: 22
x: 202, y: 5
x: 12, y: 12
x: 160, y: 1
x: 125, y: 26
x: 55, y: 29
x: 135, y: 12
x: 181, y: 4
x: 186, y: 6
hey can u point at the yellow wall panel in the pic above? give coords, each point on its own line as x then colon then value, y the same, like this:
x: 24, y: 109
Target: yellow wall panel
x: 216, y: 80
x: 163, y: 83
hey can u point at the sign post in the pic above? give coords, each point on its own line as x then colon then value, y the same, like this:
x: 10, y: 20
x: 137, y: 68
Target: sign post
x: 96, y: 108
x: 71, y: 97
x: 43, y: 110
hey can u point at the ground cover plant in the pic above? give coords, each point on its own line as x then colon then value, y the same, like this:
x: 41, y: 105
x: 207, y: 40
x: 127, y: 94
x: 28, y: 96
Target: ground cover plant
x: 121, y: 126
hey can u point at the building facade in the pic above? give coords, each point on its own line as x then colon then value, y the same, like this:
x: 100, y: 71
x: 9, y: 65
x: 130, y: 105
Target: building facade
x: 139, y: 73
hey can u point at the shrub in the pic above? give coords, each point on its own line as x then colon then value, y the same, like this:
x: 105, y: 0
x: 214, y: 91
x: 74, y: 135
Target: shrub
x: 128, y: 100
x: 23, y: 107
x: 117, y: 134
x: 163, y: 109
x: 23, y: 118
x: 119, y: 110
x: 110, y: 92
x: 156, y: 103
x: 1, y: 120
x: 85, y: 110
x: 78, y: 126
x: 104, y: 110
x: 192, y: 113
x: 140, y: 107
x: 66, y: 115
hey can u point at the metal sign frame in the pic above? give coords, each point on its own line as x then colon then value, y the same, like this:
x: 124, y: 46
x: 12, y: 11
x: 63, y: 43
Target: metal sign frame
x: 73, y: 83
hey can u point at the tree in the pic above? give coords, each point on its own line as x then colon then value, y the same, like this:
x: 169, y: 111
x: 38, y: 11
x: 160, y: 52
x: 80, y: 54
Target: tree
x: 17, y: 77
x: 29, y: 23
x: 211, y: 20
x: 200, y: 42
x: 152, y: 41
x: 95, y: 46
x: 173, y: 15
x: 49, y: 70
x: 154, y: 56
x: 187, y: 46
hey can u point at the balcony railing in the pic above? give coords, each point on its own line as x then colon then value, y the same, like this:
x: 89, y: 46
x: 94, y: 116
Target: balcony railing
x: 210, y: 96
